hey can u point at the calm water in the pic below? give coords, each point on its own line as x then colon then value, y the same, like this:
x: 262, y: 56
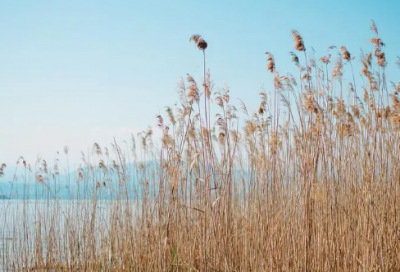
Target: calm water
x: 19, y: 222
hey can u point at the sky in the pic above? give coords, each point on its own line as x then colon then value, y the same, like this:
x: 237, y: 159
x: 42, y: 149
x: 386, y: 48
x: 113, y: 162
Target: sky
x: 78, y: 72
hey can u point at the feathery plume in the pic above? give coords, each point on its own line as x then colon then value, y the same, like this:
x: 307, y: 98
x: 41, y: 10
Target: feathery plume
x: 298, y: 41
x: 295, y: 59
x: 345, y: 53
x: 2, y: 167
x: 270, y: 62
x: 199, y: 41
x: 377, y: 42
x: 193, y: 94
x: 325, y: 59
x: 380, y: 57
x: 374, y: 28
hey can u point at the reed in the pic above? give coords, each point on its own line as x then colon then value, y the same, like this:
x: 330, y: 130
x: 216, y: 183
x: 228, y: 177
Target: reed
x: 306, y: 182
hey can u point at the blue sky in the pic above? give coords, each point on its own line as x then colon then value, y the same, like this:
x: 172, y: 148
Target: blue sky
x: 78, y: 72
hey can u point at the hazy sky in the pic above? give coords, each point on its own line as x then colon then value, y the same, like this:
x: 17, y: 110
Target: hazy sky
x: 78, y: 72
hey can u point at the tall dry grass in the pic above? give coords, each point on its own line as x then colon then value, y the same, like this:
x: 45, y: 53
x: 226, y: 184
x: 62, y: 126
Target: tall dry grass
x: 307, y: 182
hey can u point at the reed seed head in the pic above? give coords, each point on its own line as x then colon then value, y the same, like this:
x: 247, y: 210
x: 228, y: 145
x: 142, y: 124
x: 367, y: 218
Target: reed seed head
x: 270, y: 62
x: 199, y: 41
x: 345, y: 53
x: 298, y: 41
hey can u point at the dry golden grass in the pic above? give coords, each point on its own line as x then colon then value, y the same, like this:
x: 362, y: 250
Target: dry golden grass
x: 308, y: 182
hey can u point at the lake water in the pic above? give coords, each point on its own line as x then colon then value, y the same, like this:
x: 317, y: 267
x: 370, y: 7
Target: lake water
x: 20, y: 221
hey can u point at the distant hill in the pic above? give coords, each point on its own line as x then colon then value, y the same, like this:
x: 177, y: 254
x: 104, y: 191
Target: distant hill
x: 69, y: 186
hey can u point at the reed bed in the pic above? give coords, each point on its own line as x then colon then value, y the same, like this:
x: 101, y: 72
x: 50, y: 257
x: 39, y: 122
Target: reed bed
x: 309, y: 181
